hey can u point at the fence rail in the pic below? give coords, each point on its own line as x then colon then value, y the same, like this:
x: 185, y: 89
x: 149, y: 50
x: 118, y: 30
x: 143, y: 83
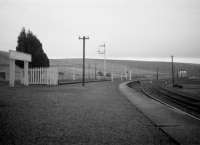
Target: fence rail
x: 48, y: 76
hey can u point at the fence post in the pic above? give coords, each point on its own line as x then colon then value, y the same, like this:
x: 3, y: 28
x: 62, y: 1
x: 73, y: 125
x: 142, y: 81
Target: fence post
x: 48, y: 76
x: 30, y: 70
x: 33, y: 76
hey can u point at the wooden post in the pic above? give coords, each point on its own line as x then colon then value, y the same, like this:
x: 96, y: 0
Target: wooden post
x: 12, y: 73
x: 34, y: 75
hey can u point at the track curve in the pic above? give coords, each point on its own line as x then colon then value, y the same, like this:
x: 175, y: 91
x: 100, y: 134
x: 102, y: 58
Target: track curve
x: 185, y: 103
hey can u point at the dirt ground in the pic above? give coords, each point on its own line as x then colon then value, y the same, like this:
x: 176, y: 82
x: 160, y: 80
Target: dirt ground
x: 96, y: 114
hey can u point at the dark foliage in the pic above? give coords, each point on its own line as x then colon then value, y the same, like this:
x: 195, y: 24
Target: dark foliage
x: 29, y: 43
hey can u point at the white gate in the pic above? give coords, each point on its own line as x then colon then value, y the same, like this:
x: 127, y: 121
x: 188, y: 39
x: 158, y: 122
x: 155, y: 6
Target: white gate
x: 48, y: 76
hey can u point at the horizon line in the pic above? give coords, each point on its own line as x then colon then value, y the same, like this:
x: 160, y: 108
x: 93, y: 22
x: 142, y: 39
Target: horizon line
x: 189, y: 60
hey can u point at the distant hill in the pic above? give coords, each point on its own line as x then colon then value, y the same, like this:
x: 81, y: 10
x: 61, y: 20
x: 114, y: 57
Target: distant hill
x: 120, y: 66
x: 70, y: 66
x: 4, y: 58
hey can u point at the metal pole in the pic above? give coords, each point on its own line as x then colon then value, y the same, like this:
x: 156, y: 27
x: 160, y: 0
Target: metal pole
x: 104, y: 62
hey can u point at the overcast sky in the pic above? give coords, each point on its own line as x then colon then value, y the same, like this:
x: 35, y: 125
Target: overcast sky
x: 130, y: 28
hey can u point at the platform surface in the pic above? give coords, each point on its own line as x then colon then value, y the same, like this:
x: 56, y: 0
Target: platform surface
x: 96, y: 114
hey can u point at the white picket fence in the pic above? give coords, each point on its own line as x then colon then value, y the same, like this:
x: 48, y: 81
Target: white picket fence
x: 48, y: 76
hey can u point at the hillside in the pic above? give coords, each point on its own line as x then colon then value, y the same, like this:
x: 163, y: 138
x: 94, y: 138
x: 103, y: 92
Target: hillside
x: 4, y: 58
x: 74, y: 66
x: 120, y: 66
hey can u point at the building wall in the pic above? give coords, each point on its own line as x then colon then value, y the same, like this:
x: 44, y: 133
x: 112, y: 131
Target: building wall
x: 5, y: 69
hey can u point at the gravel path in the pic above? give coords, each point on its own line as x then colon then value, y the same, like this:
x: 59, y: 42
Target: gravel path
x: 70, y: 114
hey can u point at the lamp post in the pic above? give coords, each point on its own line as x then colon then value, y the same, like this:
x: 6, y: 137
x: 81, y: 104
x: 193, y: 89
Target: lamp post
x: 104, y: 53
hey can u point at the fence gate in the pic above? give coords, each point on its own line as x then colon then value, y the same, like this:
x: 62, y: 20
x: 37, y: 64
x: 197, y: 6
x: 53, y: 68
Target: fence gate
x: 47, y: 76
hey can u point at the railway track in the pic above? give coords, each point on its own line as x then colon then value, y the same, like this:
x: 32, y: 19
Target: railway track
x: 185, y: 103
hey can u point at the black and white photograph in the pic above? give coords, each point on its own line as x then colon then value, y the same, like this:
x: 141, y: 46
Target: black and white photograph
x: 99, y: 72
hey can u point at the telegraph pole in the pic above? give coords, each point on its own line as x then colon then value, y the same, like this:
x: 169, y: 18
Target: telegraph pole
x: 172, y: 57
x: 157, y: 71
x: 83, y: 71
